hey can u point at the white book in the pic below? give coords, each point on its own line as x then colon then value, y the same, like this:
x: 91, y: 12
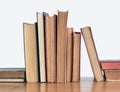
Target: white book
x: 41, y: 45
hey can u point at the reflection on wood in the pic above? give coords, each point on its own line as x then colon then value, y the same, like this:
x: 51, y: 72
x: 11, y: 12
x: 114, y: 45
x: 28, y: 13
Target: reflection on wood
x: 32, y: 87
x: 51, y: 87
x: 85, y: 85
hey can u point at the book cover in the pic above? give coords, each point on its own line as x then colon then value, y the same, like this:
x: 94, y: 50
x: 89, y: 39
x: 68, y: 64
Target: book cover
x: 51, y: 47
x: 69, y: 54
x: 61, y: 45
x: 92, y: 53
x: 31, y: 57
x: 41, y: 46
x: 76, y: 56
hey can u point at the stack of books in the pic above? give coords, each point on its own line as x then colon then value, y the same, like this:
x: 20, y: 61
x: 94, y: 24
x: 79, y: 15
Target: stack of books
x: 111, y: 69
x: 12, y: 74
x: 52, y: 50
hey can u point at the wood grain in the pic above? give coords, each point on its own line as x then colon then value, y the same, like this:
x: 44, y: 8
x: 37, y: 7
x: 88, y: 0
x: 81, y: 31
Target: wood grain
x: 85, y: 85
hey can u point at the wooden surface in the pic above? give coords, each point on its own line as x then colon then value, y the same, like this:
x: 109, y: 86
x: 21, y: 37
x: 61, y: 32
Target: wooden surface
x: 86, y: 85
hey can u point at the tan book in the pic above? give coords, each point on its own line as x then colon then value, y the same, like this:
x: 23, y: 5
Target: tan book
x: 11, y: 74
x: 61, y: 45
x: 51, y: 47
x: 92, y: 53
x: 31, y: 58
x: 69, y: 54
x: 76, y: 56
x: 112, y: 75
x: 41, y: 46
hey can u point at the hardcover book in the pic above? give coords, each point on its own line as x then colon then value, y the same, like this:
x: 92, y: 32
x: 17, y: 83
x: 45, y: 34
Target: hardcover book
x: 51, y: 47
x: 92, y: 53
x: 61, y: 45
x: 41, y: 46
x: 31, y: 57
x: 76, y: 56
x: 69, y: 54
x: 110, y: 64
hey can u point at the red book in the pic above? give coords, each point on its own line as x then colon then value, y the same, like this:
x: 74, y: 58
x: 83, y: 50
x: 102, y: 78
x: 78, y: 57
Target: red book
x: 110, y: 64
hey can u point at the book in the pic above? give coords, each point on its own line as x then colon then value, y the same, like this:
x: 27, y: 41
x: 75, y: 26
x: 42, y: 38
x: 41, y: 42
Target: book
x: 61, y: 45
x: 76, y: 56
x: 15, y: 73
x: 41, y: 46
x: 69, y: 54
x: 31, y: 57
x: 92, y: 53
x: 110, y: 64
x: 10, y: 80
x: 51, y: 47
x: 112, y: 75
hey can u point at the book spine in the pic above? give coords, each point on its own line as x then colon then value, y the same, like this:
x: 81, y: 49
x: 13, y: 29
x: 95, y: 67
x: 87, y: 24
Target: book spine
x: 110, y: 64
x: 112, y: 75
x: 51, y: 46
x: 69, y: 54
x: 31, y: 58
x: 76, y: 56
x: 92, y: 53
x: 41, y: 45
x: 11, y: 74
x: 61, y: 45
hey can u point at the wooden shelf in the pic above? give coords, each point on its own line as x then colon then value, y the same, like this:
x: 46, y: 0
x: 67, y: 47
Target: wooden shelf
x: 85, y: 85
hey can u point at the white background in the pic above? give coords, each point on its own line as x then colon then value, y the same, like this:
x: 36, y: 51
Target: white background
x: 102, y: 15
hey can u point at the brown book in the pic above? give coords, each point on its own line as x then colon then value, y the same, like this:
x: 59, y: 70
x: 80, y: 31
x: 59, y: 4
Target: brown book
x: 69, y: 54
x: 31, y: 59
x: 92, y: 53
x: 112, y: 75
x: 76, y: 56
x: 51, y: 47
x: 110, y: 64
x: 13, y: 73
x: 61, y: 45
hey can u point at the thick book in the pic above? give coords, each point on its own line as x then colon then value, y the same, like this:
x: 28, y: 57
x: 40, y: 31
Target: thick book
x: 14, y: 73
x: 61, y: 45
x: 112, y: 75
x: 69, y: 54
x: 41, y: 46
x: 92, y: 53
x: 110, y: 64
x: 31, y: 57
x: 51, y: 47
x: 76, y: 56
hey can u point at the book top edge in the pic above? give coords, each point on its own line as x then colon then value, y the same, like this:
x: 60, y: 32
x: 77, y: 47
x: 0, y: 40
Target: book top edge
x: 12, y: 69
